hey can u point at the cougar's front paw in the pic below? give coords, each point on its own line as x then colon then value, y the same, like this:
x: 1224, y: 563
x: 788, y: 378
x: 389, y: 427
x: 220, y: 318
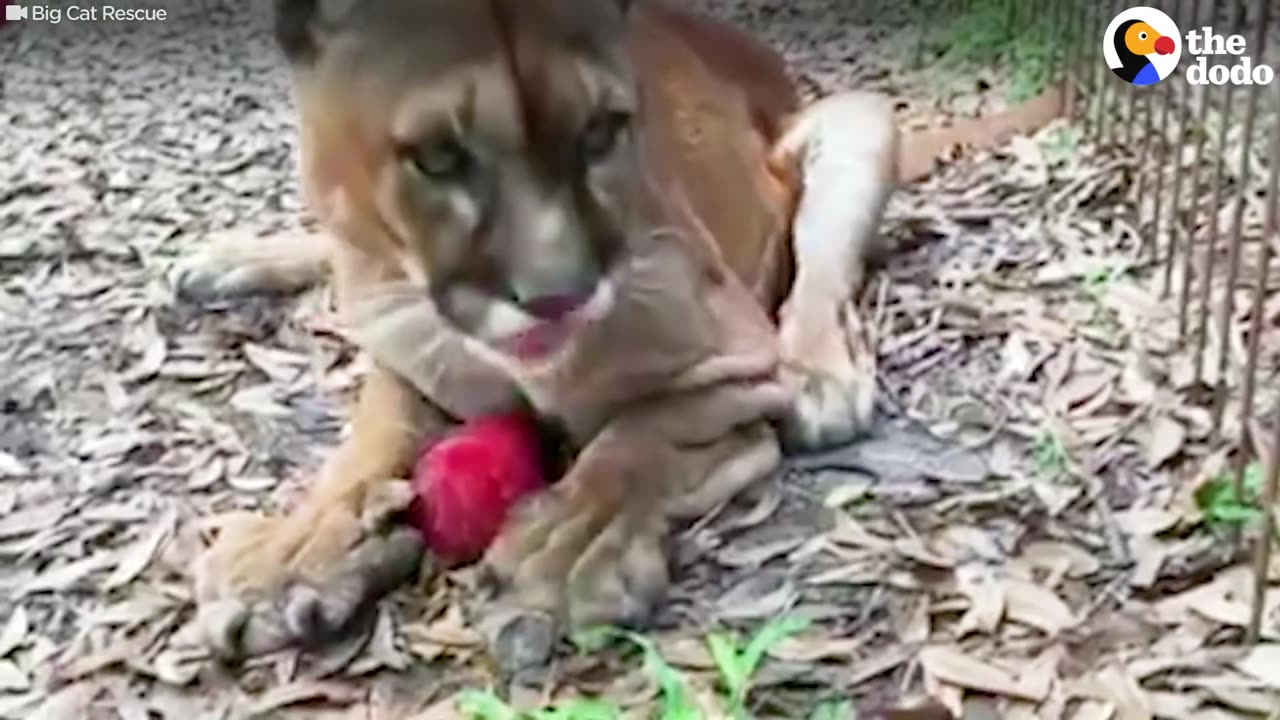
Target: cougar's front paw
x: 829, y: 364
x: 565, y: 563
x: 300, y: 579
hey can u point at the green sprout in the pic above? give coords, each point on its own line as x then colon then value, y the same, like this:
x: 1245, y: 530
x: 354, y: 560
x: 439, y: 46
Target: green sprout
x: 1222, y: 507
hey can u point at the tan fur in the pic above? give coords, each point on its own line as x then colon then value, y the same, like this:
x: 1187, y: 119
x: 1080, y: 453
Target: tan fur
x: 725, y: 210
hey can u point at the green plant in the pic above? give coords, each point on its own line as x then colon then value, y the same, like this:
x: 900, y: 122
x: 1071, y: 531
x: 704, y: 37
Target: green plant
x: 1050, y: 455
x: 1222, y: 507
x: 834, y: 710
x: 676, y: 699
x: 738, y: 666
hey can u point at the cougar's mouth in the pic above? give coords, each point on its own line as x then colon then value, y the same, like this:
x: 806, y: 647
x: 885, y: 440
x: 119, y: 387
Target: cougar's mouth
x: 553, y: 321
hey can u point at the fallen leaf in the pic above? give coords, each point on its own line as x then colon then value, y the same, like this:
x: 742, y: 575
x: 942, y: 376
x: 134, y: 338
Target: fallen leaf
x: 758, y: 555
x: 304, y: 692
x: 746, y: 601
x: 913, y: 548
x: 952, y: 666
x: 848, y: 493
x: 15, y: 631
x: 851, y: 533
x: 686, y: 652
x: 815, y: 647
x: 137, y: 558
x: 1117, y: 688
x: 12, y: 678
x: 1073, y: 561
x: 446, y: 709
x: 252, y: 484
x: 1036, y: 606
x: 986, y: 600
x: 11, y: 467
x: 207, y: 474
x: 260, y: 400
x: 1165, y: 439
x: 1262, y: 663
x: 32, y: 519
x: 179, y: 665
x: 69, y: 703
x: 1094, y: 710
x: 67, y: 575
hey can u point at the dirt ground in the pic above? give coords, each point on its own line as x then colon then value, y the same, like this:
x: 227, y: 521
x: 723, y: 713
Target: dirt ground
x: 1023, y: 536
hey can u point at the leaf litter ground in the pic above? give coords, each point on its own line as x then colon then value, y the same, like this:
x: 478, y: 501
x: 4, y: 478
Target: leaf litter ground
x: 1033, y: 533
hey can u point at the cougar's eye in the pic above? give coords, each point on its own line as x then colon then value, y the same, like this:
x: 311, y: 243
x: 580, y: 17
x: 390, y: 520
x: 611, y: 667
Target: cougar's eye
x: 444, y: 160
x: 602, y: 133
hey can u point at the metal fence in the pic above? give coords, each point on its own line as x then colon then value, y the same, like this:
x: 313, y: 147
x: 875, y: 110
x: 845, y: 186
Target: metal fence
x: 1192, y: 182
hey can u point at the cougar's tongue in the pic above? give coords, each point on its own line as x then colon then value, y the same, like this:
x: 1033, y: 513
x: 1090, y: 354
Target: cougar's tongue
x: 554, y: 328
x: 552, y: 308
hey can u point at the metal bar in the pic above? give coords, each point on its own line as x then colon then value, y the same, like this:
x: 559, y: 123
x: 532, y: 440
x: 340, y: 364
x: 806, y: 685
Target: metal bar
x: 1262, y: 559
x: 1189, y: 228
x: 1076, y: 96
x: 1211, y: 250
x: 1171, y: 151
x: 1105, y: 129
x: 1258, y: 50
x: 1093, y: 112
x: 1176, y: 224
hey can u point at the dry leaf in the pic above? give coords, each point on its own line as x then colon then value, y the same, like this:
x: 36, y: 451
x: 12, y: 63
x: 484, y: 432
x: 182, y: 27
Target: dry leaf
x: 11, y: 467
x: 12, y: 678
x: 758, y: 555
x: 260, y: 400
x: 69, y: 703
x: 848, y: 493
x: 1164, y: 440
x: 67, y: 575
x: 746, y: 601
x: 950, y: 665
x: 179, y: 665
x: 252, y: 485
x: 32, y: 519
x: 816, y: 647
x: 304, y: 692
x: 446, y: 709
x: 1117, y: 688
x: 1262, y: 663
x: 986, y: 600
x: 15, y: 631
x: 137, y: 558
x: 851, y: 533
x: 1036, y: 606
x: 1094, y: 710
x: 1060, y: 558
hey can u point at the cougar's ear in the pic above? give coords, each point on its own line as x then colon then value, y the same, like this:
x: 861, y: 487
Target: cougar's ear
x: 300, y: 25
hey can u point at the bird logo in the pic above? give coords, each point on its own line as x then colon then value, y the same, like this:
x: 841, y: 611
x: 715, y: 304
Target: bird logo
x: 1142, y: 45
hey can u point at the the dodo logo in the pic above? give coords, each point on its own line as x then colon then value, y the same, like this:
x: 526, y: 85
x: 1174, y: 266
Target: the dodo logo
x: 1142, y: 45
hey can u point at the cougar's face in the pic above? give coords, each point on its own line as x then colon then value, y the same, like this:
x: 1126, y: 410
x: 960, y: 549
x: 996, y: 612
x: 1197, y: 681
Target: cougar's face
x: 488, y: 144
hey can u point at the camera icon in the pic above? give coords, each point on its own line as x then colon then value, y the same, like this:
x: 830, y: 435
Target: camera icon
x: 15, y: 12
